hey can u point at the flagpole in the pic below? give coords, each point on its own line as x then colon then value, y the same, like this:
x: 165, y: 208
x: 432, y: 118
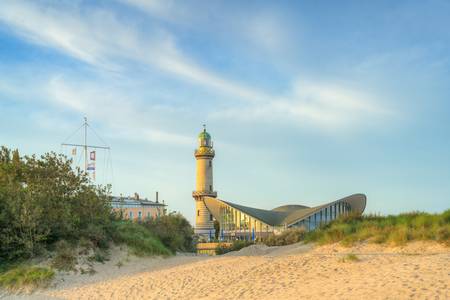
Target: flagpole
x: 88, y: 156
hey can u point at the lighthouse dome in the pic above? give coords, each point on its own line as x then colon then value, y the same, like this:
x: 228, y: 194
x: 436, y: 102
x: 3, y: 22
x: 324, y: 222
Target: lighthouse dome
x: 204, y: 135
x: 204, y: 139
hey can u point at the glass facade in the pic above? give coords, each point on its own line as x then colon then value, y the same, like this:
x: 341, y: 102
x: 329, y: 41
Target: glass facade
x: 323, y: 216
x: 235, y: 224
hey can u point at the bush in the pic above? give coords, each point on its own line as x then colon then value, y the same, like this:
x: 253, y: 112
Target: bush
x: 65, y: 258
x: 26, y: 278
x: 139, y: 239
x: 287, y: 237
x: 99, y: 256
x: 173, y: 230
x: 43, y: 200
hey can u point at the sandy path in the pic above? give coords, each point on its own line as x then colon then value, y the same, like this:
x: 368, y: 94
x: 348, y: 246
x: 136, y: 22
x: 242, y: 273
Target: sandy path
x: 319, y: 273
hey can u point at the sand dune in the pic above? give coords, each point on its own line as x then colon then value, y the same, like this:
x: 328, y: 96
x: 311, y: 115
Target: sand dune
x: 294, y: 272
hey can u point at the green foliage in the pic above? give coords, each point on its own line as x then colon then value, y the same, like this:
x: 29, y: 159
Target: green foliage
x: 139, y: 239
x: 173, y: 230
x: 100, y: 255
x: 235, y: 246
x: 46, y: 205
x: 42, y: 201
x: 287, y: 237
x: 395, y: 230
x: 26, y: 278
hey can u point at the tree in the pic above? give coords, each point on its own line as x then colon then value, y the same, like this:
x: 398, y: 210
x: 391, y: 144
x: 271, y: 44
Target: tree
x: 43, y: 200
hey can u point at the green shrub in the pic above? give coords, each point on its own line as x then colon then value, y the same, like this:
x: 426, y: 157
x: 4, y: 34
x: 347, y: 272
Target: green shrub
x: 43, y: 200
x: 25, y: 278
x: 173, y: 230
x: 139, y: 239
x: 100, y: 255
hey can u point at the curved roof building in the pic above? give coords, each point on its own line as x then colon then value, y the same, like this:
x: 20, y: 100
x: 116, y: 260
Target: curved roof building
x: 239, y: 221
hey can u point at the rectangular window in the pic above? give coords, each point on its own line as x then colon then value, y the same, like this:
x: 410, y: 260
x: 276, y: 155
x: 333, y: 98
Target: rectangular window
x: 210, y: 217
x: 198, y: 213
x: 131, y: 215
x: 140, y: 215
x: 210, y: 187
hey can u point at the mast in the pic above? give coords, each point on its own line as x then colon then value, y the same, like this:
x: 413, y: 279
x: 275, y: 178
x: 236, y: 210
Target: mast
x: 85, y: 145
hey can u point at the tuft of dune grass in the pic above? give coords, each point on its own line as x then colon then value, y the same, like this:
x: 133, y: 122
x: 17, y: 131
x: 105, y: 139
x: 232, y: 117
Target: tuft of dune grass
x: 351, y: 257
x: 393, y: 230
x: 139, y: 239
x: 26, y: 278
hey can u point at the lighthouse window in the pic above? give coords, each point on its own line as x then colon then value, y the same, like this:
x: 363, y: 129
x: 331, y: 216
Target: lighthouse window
x: 210, y: 187
x: 198, y: 213
x: 210, y: 217
x: 210, y: 163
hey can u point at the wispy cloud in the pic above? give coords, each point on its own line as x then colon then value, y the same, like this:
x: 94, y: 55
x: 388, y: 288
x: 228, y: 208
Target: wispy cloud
x: 99, y: 38
x: 115, y: 110
x: 324, y: 105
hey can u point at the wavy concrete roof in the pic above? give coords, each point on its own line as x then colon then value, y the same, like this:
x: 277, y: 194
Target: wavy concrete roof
x: 287, y: 214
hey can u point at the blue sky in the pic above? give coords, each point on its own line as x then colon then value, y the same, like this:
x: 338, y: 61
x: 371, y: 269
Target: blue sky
x: 306, y: 101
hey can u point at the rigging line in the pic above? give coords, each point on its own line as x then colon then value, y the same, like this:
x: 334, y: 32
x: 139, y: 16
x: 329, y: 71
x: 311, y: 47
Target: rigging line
x: 70, y: 136
x: 102, y: 140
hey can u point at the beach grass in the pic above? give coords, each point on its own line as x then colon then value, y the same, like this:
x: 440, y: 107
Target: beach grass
x: 287, y: 237
x: 393, y: 229
x: 139, y: 239
x: 26, y: 278
x: 235, y: 246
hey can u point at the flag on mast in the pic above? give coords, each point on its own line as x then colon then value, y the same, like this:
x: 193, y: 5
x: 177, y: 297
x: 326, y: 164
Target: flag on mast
x: 92, y: 155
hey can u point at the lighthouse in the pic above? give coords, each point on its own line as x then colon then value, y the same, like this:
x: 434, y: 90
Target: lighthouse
x: 204, y: 154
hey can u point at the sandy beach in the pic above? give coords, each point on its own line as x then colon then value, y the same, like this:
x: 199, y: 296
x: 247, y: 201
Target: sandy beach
x: 418, y: 271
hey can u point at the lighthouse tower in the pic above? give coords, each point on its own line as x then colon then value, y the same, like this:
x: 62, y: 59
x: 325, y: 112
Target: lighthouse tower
x: 204, y: 155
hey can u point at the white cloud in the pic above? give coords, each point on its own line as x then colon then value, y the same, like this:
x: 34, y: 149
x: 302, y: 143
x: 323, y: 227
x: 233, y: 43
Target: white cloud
x: 324, y: 105
x: 109, y: 106
x: 97, y: 37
